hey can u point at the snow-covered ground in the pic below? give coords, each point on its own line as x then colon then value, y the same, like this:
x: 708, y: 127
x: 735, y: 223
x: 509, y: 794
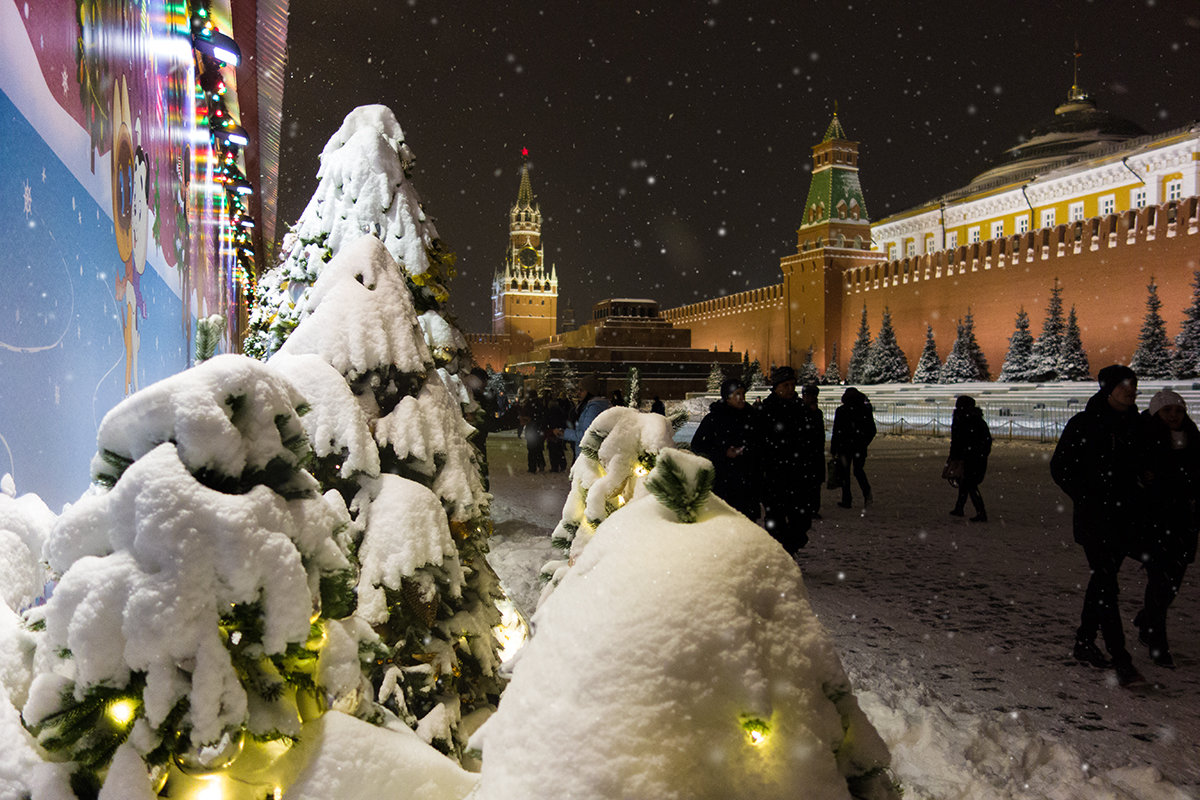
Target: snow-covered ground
x: 957, y: 636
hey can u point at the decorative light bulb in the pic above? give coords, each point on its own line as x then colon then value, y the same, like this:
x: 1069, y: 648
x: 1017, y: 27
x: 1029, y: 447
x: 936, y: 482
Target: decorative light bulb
x: 757, y: 730
x: 122, y: 711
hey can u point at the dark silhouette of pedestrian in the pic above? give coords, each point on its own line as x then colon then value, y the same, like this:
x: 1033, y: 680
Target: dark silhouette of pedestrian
x: 657, y: 407
x: 810, y: 394
x: 484, y: 416
x: 853, y: 431
x: 1095, y: 463
x: 793, y: 461
x: 617, y: 398
x: 1170, y: 474
x: 728, y: 436
x: 970, y: 445
x: 532, y: 416
x: 556, y: 424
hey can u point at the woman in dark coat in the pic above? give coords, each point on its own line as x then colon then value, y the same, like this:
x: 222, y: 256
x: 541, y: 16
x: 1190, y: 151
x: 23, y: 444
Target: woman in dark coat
x: 1169, y: 462
x: 728, y: 437
x: 853, y: 430
x: 970, y: 444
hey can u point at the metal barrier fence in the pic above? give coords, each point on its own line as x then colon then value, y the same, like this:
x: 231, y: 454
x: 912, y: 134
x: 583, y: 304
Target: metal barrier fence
x: 1039, y: 422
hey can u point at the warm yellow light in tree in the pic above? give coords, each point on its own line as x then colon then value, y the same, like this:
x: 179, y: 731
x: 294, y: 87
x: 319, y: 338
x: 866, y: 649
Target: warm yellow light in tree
x: 640, y: 470
x: 756, y: 729
x: 122, y: 711
x: 512, y: 632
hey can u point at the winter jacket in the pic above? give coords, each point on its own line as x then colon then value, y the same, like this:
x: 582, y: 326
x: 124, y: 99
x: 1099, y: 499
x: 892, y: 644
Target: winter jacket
x: 793, y: 444
x: 589, y: 410
x: 736, y: 480
x: 971, y: 443
x: 1095, y: 464
x: 853, y: 425
x: 1170, y: 478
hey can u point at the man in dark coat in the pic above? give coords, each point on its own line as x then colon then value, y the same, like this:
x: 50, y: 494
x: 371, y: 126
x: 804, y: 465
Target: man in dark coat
x: 810, y: 395
x: 793, y: 460
x: 1095, y: 464
x: 556, y: 423
x: 970, y: 444
x: 853, y: 431
x: 728, y: 436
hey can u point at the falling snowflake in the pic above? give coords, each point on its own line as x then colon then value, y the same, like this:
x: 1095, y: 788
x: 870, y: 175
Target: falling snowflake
x: 65, y: 85
x: 28, y: 200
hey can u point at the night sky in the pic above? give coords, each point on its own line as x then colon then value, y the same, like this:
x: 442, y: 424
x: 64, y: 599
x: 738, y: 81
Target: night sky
x: 671, y: 145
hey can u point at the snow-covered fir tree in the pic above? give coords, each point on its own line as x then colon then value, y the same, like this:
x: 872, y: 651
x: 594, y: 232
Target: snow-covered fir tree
x: 832, y: 376
x: 860, y: 353
x: 963, y: 364
x: 808, y: 372
x: 715, y: 377
x: 974, y: 351
x: 570, y: 381
x: 196, y: 583
x: 1018, y: 361
x: 773, y: 718
x: 755, y: 379
x: 1152, y: 358
x: 1047, y: 350
x: 1074, y: 364
x: 929, y: 367
x: 365, y: 338
x: 363, y: 188
x: 633, y: 387
x: 387, y: 422
x: 886, y: 362
x: 1186, y: 361
x: 616, y: 454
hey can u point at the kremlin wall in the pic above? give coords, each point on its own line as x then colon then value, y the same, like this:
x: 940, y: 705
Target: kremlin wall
x: 1086, y: 199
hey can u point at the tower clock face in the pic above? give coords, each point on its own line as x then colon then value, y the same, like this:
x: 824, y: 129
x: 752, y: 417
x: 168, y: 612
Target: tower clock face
x: 528, y: 257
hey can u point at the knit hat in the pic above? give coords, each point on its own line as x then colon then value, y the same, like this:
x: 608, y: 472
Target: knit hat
x: 964, y: 402
x: 1113, y: 376
x: 1164, y: 398
x: 729, y: 386
x: 782, y: 375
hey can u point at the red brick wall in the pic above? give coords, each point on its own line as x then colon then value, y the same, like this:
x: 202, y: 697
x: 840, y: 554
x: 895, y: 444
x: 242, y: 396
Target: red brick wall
x: 753, y: 321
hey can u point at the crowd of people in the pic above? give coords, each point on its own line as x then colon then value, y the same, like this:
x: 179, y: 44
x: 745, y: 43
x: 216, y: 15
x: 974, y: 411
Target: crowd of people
x: 1133, y: 479
x: 770, y: 458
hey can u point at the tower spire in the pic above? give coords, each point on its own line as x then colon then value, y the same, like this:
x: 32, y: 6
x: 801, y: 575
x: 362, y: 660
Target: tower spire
x: 525, y: 193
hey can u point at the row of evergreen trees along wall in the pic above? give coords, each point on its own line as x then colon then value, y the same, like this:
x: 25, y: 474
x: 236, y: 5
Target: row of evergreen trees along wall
x: 1056, y: 355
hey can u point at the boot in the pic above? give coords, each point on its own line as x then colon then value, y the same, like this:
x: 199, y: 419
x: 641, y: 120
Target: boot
x: 980, y: 517
x: 1088, y: 653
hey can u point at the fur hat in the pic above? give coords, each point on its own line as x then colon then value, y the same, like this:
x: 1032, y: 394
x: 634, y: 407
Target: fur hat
x: 731, y: 385
x: 782, y: 375
x: 1164, y: 398
x: 1113, y: 376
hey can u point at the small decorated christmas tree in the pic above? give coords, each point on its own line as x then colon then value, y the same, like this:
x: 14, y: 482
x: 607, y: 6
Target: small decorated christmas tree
x: 196, y: 582
x: 757, y: 706
x: 633, y: 387
x: 616, y: 454
x: 1152, y: 358
x: 1018, y: 361
x: 929, y: 367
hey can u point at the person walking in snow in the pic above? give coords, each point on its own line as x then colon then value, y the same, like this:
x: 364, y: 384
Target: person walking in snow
x: 853, y: 431
x: 1169, y: 444
x: 793, y: 460
x: 556, y: 424
x: 810, y: 395
x: 1095, y: 463
x: 970, y: 444
x: 591, y: 403
x: 533, y: 427
x: 728, y: 436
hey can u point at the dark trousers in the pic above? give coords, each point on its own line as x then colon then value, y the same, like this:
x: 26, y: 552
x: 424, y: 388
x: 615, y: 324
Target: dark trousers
x: 972, y: 491
x: 856, y: 463
x: 1164, y: 576
x: 557, y: 450
x: 1100, y: 610
x: 788, y: 521
x: 537, y: 457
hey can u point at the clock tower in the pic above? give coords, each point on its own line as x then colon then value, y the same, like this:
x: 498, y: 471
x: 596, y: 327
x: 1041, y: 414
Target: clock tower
x: 524, y: 294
